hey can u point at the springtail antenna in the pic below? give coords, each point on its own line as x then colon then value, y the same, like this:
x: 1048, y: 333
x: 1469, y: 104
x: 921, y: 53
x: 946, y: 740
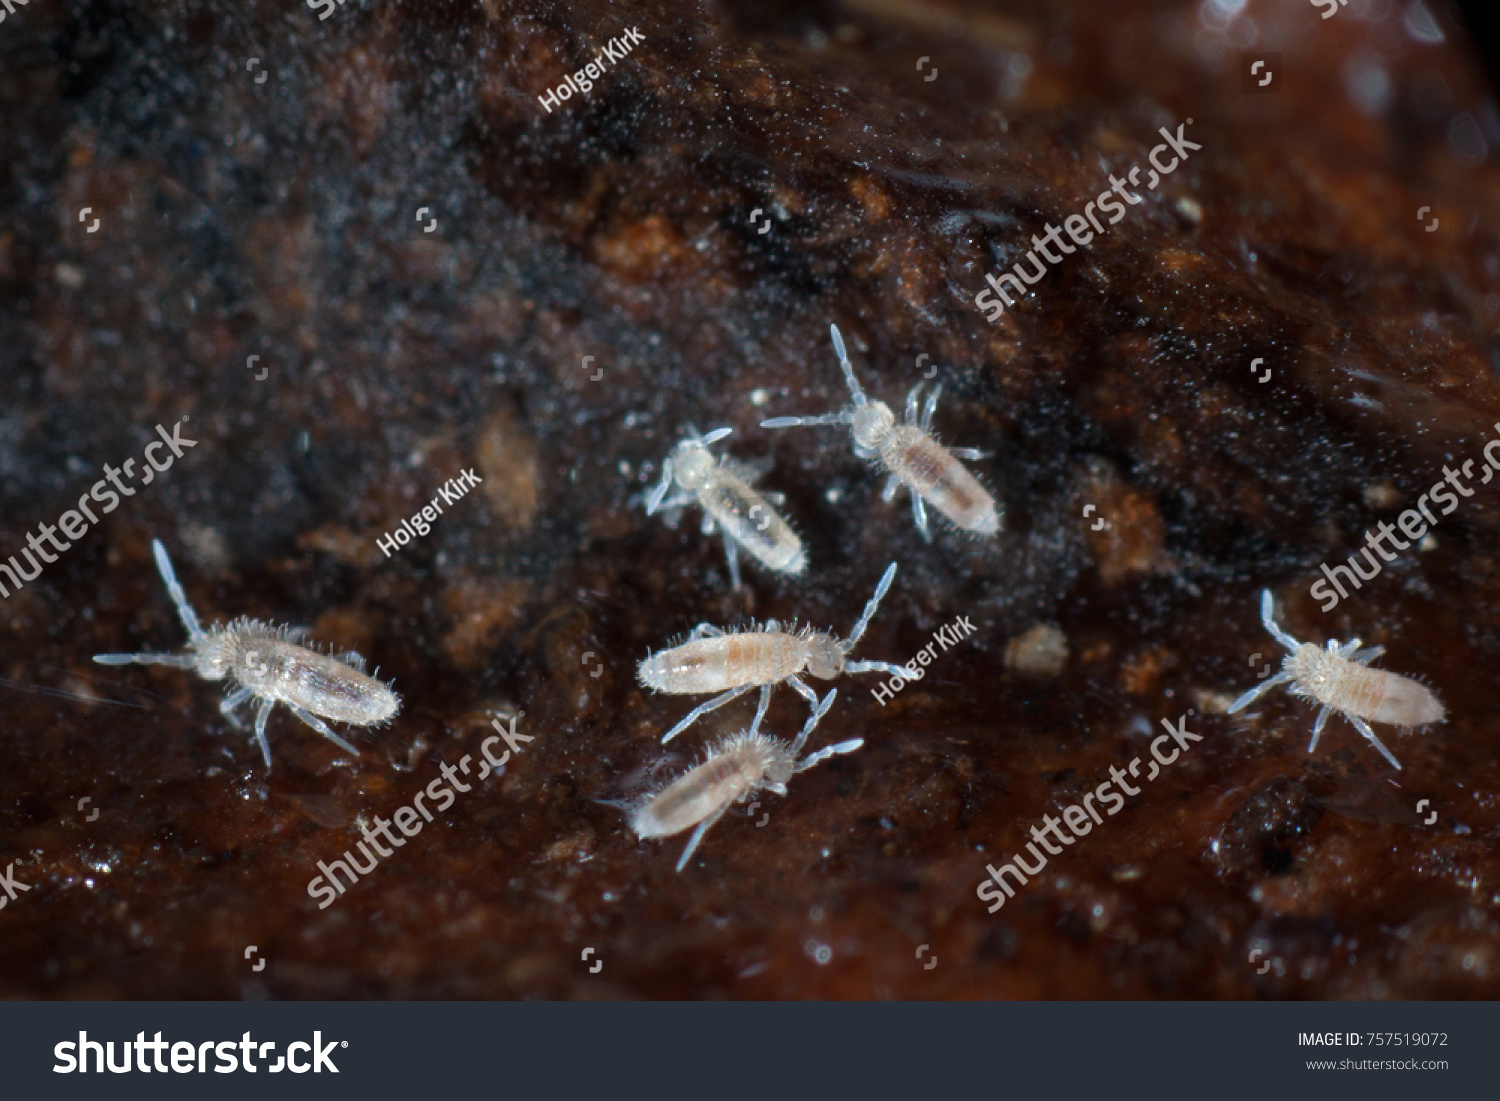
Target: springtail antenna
x: 1268, y: 617
x: 830, y: 751
x: 184, y: 609
x: 838, y: 346
x: 659, y: 494
x: 812, y: 721
x: 842, y: 416
x: 869, y: 613
x: 177, y: 661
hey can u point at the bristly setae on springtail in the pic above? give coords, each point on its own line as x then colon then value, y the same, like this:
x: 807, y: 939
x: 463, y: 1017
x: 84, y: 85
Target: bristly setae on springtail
x: 264, y: 662
x: 910, y: 455
x: 712, y: 660
x: 1341, y: 680
x: 733, y: 770
x: 723, y: 489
